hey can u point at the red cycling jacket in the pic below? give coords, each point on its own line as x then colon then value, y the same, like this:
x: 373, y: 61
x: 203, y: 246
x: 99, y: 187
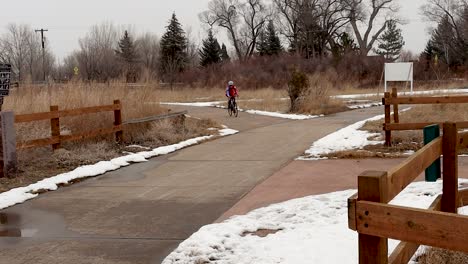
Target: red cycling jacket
x: 231, y: 91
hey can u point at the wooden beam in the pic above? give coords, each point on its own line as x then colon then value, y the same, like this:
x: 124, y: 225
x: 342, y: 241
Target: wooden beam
x: 37, y: 143
x: 388, y: 120
x: 396, y: 113
x: 403, y: 253
x: 463, y: 196
x: 462, y: 139
x: 64, y: 113
x: 352, y: 212
x: 417, y: 126
x: 405, y: 250
x: 372, y: 187
x: 428, y: 100
x: 450, y: 168
x: 55, y: 126
x: 436, y: 229
x: 118, y: 121
x: 35, y: 117
x: 402, y: 175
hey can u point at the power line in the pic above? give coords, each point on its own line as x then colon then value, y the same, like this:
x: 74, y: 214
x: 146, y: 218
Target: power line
x: 43, y: 50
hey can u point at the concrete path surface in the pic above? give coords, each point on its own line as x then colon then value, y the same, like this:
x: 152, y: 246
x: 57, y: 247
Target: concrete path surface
x: 140, y: 213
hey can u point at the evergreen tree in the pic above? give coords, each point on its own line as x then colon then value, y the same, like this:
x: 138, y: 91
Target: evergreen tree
x: 210, y: 53
x: 391, y: 42
x: 224, y: 54
x: 269, y: 42
x: 262, y: 45
x: 274, y: 42
x: 173, y: 52
x: 126, y: 52
x: 443, y: 43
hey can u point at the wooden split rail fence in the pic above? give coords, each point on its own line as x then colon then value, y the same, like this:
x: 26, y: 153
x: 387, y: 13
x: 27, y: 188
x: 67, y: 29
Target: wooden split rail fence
x: 56, y: 138
x: 439, y: 226
x: 392, y: 99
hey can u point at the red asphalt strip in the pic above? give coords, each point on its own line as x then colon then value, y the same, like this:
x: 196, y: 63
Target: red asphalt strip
x: 304, y: 178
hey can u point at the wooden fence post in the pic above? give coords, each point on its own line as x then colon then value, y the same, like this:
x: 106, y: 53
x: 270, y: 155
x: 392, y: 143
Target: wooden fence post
x: 388, y: 133
x: 55, y: 126
x: 372, y: 186
x: 118, y: 121
x: 8, y: 155
x: 450, y: 168
x: 396, y: 114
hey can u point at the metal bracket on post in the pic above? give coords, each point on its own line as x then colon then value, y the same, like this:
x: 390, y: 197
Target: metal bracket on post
x: 432, y: 172
x: 8, y: 143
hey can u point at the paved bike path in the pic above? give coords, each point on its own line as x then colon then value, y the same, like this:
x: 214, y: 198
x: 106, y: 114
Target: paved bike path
x: 140, y: 213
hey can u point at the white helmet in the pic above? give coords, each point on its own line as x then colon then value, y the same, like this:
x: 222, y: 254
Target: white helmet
x: 230, y: 83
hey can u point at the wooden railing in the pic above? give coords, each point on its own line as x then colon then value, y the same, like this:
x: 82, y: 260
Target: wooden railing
x: 54, y: 116
x: 375, y: 220
x: 392, y: 99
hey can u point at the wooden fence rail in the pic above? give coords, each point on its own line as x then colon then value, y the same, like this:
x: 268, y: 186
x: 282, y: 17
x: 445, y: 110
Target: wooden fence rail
x: 54, y: 116
x: 393, y: 100
x: 375, y: 220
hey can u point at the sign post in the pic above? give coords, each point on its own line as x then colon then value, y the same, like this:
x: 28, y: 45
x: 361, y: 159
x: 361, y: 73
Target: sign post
x: 399, y: 72
x: 8, y: 156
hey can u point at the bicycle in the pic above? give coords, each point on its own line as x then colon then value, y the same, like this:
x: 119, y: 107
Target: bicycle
x: 232, y: 107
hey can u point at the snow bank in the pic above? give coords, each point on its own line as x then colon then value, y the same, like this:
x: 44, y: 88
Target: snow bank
x: 197, y: 104
x: 281, y: 115
x: 311, y: 230
x: 344, y: 139
x: 19, y: 195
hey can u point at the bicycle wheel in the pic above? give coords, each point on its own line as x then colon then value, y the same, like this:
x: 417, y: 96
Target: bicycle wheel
x: 235, y: 110
x: 230, y: 112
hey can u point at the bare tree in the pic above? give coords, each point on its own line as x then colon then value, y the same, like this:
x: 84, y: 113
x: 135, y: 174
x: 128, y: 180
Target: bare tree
x: 96, y: 56
x: 290, y: 19
x: 15, y: 46
x: 242, y: 20
x: 254, y: 14
x: 455, y: 14
x: 147, y: 46
x: 367, y: 13
x: 21, y: 47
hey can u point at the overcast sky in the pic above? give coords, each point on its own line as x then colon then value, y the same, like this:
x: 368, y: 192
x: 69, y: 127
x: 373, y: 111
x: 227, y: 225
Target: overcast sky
x: 69, y: 20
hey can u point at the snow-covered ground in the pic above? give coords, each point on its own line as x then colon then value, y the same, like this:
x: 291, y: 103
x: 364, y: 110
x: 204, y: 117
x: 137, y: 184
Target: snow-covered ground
x: 281, y: 115
x: 19, y: 195
x: 347, y: 138
x: 310, y: 230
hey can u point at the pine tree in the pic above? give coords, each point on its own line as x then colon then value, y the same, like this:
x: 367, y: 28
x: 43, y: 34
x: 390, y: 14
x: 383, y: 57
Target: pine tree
x: 269, y: 42
x: 173, y: 52
x: 262, y: 45
x: 391, y: 42
x: 126, y: 52
x: 210, y: 53
x: 224, y: 54
x: 443, y: 40
x: 274, y: 42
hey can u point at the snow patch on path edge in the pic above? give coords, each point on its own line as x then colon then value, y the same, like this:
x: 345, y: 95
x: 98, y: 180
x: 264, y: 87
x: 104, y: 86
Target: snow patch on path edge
x: 22, y: 194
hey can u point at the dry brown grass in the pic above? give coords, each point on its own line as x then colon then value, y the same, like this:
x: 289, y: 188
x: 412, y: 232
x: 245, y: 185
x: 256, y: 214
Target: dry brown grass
x: 441, y: 256
x: 36, y: 164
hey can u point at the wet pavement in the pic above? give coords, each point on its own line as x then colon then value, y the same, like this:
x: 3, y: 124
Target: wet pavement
x: 140, y: 213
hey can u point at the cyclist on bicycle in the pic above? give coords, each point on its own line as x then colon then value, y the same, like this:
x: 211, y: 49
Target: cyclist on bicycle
x: 231, y: 92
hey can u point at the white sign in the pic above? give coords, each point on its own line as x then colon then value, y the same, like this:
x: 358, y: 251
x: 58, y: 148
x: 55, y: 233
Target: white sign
x: 399, y: 72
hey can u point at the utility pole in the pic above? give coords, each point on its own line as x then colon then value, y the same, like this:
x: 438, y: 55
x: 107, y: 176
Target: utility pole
x: 43, y: 50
